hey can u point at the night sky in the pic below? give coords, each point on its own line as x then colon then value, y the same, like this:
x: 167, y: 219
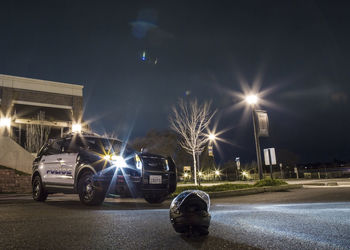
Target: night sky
x: 202, y: 49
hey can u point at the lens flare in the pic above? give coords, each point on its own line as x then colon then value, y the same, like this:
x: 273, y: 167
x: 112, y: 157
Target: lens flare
x: 5, y: 122
x: 76, y: 128
x: 252, y: 99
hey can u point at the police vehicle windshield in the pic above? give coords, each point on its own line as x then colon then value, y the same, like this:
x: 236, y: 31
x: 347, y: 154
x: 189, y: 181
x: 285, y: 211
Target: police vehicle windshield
x: 105, y: 145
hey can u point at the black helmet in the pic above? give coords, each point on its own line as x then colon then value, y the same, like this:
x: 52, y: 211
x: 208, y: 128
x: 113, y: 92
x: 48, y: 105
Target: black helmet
x: 189, y: 212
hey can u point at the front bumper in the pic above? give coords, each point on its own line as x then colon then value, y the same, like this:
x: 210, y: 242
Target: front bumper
x: 126, y: 185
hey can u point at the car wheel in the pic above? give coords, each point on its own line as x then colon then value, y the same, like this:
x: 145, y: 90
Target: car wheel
x: 89, y: 194
x: 38, y: 191
x: 155, y: 199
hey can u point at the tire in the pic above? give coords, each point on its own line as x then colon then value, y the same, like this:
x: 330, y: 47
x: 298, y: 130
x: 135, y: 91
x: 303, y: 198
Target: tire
x: 155, y: 199
x: 38, y: 191
x: 89, y: 193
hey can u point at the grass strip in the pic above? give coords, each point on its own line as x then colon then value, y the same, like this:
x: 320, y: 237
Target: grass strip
x: 229, y: 187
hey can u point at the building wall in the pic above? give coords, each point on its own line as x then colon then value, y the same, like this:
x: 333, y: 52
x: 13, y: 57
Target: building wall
x: 10, y: 182
x: 12, y: 155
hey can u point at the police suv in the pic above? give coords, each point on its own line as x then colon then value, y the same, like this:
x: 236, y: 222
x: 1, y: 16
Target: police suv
x: 94, y: 166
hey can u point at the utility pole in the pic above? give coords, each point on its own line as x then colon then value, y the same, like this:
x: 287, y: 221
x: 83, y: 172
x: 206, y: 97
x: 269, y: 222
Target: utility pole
x: 257, y: 145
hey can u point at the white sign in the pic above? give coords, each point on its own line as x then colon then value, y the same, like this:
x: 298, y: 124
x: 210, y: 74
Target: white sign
x: 270, y: 156
x: 238, y: 163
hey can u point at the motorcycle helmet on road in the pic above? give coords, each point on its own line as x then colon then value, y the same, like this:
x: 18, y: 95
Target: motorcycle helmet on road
x: 189, y: 212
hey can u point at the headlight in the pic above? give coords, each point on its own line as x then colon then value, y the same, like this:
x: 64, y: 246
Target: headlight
x: 116, y: 160
x: 119, y: 161
x: 138, y: 161
x: 166, y: 165
x: 107, y: 157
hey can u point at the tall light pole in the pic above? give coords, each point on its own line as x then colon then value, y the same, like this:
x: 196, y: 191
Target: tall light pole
x: 252, y: 100
x: 211, y: 138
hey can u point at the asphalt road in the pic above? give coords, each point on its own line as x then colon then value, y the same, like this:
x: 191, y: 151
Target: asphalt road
x: 309, y: 218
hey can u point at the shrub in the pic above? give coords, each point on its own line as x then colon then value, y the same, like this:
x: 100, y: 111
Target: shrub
x: 269, y: 182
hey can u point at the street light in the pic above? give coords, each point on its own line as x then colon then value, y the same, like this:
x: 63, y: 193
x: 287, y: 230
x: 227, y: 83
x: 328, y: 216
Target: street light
x: 252, y: 100
x: 5, y: 122
x: 76, y: 128
x: 212, y: 137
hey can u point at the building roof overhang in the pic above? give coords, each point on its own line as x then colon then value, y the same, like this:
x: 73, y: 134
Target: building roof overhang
x: 40, y: 85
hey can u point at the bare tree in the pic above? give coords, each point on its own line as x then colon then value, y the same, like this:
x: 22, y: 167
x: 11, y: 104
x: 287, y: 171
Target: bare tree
x: 36, y: 134
x: 190, y: 120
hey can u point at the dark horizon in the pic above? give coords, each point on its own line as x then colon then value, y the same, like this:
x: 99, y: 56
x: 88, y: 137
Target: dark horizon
x: 197, y: 49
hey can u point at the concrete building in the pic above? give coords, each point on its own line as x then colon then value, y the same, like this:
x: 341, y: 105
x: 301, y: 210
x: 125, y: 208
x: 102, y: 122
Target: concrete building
x: 27, y: 103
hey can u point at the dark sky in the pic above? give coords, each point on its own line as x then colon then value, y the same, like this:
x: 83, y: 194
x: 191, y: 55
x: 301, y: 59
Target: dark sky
x: 300, y: 48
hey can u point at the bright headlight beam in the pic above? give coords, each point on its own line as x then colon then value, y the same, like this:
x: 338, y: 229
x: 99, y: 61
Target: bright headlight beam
x: 107, y: 157
x: 119, y: 161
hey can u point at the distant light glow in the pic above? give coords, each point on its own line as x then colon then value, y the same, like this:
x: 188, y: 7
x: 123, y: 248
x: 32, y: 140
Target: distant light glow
x: 186, y: 175
x: 143, y: 58
x: 5, y: 122
x: 252, y: 99
x: 200, y: 173
x: 212, y: 137
x: 245, y: 173
x: 217, y: 172
x: 76, y: 128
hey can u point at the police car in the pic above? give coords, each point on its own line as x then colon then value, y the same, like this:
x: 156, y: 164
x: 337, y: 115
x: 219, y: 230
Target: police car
x: 94, y: 166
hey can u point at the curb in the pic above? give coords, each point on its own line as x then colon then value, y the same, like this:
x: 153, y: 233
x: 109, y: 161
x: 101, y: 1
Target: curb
x: 257, y: 190
x: 333, y: 183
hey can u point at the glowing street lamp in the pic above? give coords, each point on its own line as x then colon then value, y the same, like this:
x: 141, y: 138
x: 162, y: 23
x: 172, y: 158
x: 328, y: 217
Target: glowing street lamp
x: 76, y: 128
x: 5, y: 122
x: 245, y: 174
x: 212, y: 137
x: 217, y: 172
x: 252, y: 100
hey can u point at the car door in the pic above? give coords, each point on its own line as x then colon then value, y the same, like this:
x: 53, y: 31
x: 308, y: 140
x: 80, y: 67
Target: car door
x: 69, y: 154
x: 49, y: 166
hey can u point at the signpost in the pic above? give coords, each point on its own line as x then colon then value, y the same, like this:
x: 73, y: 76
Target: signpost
x: 270, y: 158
